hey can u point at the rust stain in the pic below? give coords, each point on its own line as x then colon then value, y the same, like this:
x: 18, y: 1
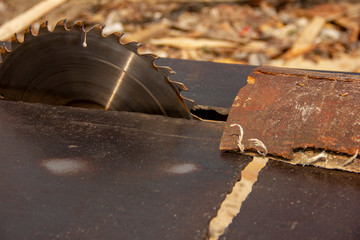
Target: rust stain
x: 327, y: 140
x: 236, y: 102
x: 247, y: 100
x: 250, y: 80
x: 356, y: 139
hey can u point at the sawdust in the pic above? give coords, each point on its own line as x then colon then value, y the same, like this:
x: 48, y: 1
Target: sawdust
x: 302, y: 34
x: 231, y: 206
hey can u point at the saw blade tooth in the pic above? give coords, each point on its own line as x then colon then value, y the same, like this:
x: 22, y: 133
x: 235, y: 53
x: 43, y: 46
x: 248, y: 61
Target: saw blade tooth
x: 98, y: 29
x: 5, y: 46
x: 29, y: 33
x: 43, y: 29
x: 150, y: 57
x: 60, y: 26
x: 26, y: 36
x: 52, y: 26
x: 27, y: 30
x: 2, y: 47
x: 61, y: 23
x: 2, y: 51
x: 87, y: 27
x: 133, y: 46
x: 189, y: 103
x: 91, y: 27
x: 177, y: 88
x: 179, y: 85
x: 165, y: 70
x: 68, y: 24
x: 115, y: 35
x: 120, y: 39
x: 118, y: 35
x: 5, y: 49
x: 35, y: 28
x: 20, y: 37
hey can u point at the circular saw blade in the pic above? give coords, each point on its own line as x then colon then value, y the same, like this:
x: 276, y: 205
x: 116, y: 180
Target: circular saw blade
x: 81, y: 67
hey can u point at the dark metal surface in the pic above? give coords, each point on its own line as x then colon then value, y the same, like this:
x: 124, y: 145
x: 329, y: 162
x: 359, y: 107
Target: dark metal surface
x: 209, y: 84
x: 69, y: 173
x: 294, y: 202
x: 289, y: 110
x: 81, y: 67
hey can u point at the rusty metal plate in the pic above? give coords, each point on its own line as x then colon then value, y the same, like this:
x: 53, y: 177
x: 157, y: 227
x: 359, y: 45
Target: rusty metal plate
x: 297, y: 114
x: 295, y: 202
x: 69, y: 173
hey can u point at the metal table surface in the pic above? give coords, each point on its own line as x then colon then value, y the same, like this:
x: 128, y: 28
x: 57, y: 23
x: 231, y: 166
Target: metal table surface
x: 70, y: 173
x: 296, y: 202
x: 210, y: 84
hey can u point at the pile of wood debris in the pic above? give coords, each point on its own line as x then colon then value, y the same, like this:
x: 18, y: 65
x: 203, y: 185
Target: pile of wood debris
x: 281, y: 33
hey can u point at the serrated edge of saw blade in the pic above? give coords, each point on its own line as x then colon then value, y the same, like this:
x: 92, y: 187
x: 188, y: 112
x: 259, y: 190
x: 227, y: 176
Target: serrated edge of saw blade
x: 19, y: 38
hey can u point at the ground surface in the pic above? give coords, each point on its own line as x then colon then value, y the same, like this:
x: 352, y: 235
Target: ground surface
x: 318, y: 35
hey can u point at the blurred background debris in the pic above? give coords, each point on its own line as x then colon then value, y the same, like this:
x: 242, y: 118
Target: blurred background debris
x: 320, y: 34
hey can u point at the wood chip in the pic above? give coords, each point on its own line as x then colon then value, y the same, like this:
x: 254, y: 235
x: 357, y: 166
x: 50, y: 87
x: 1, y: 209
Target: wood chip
x: 329, y: 11
x: 154, y: 30
x: 351, y: 26
x: 305, y: 42
x: 189, y: 43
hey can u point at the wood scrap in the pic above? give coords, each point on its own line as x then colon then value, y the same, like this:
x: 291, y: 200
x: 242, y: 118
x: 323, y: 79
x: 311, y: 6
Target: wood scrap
x: 144, y: 35
x: 190, y: 1
x: 229, y: 61
x: 305, y: 42
x: 341, y: 62
x: 254, y: 46
x: 351, y: 26
x: 189, y: 43
x: 247, y: 34
x: 353, y: 10
x: 329, y: 11
x: 25, y: 19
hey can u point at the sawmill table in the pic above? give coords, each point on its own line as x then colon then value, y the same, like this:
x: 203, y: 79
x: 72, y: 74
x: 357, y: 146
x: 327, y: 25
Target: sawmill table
x: 70, y: 173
